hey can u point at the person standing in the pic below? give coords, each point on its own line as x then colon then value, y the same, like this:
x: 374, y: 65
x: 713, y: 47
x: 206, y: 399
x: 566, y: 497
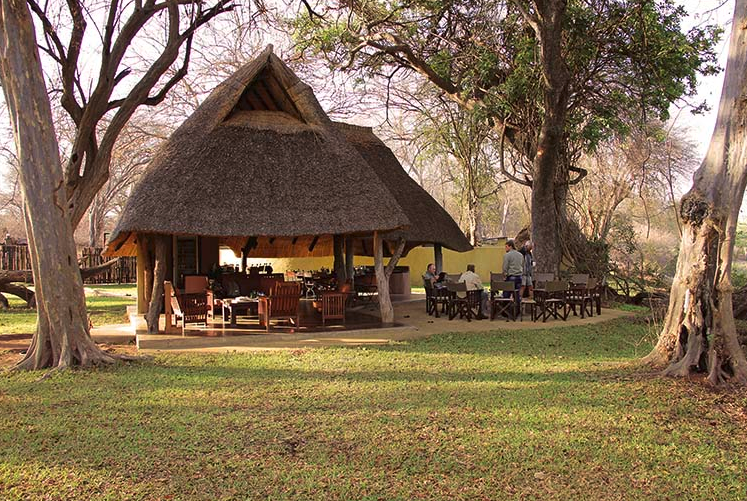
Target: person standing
x: 527, y: 275
x: 513, y: 266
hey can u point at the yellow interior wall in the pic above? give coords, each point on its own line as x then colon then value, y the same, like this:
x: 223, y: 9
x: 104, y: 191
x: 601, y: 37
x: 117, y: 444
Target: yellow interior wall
x: 485, y: 258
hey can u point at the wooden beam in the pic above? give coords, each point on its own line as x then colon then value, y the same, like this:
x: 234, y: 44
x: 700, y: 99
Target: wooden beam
x: 284, y: 100
x: 265, y: 96
x: 313, y: 243
x: 438, y: 258
x: 254, y: 101
x: 349, y: 257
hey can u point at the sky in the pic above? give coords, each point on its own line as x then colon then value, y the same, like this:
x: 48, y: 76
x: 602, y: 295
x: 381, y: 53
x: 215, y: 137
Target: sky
x: 709, y: 88
x: 699, y: 127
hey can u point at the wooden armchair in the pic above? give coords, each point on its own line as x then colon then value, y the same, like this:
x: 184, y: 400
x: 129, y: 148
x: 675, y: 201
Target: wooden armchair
x: 333, y: 306
x: 581, y: 294
x: 435, y: 297
x: 191, y: 308
x: 551, y: 301
x: 199, y: 284
x: 499, y: 305
x: 366, y: 288
x: 282, y: 303
x: 465, y: 306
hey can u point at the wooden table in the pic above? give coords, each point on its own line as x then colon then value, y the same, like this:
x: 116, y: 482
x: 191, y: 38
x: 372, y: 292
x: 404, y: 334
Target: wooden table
x: 232, y: 308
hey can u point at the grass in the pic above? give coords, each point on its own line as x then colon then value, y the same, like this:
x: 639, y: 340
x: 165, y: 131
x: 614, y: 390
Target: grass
x: 548, y: 414
x: 102, y: 310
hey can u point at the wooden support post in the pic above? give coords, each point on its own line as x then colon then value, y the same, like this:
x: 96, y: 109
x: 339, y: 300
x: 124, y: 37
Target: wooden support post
x: 438, y: 258
x: 338, y: 242
x: 144, y: 272
x: 141, y: 264
x: 169, y: 323
x: 349, y: 257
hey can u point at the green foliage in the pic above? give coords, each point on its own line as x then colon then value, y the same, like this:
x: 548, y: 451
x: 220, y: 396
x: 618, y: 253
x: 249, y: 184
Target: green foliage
x: 632, y: 268
x: 739, y: 274
x: 102, y: 310
x: 540, y: 414
x: 628, y: 59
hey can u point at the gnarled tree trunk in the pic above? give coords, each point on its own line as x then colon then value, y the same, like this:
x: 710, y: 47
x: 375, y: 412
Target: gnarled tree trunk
x: 548, y: 197
x: 62, y: 338
x: 699, y: 333
x: 382, y: 276
x: 161, y: 243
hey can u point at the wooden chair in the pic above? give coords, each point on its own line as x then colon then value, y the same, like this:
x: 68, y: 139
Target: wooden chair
x: 435, y: 297
x: 467, y: 306
x: 198, y: 284
x: 578, y: 294
x: 333, y: 306
x: 540, y: 279
x: 551, y: 301
x: 191, y: 308
x: 430, y: 298
x: 309, y: 285
x: 499, y: 304
x: 579, y: 279
x: 366, y: 288
x: 596, y: 294
x: 282, y: 303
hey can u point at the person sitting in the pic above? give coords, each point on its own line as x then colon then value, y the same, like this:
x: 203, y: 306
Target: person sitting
x: 473, y: 282
x: 430, y: 274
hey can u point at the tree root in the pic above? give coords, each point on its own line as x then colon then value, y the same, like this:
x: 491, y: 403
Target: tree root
x: 100, y: 359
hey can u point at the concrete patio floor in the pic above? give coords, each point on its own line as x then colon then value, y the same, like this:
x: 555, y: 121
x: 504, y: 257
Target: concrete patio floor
x: 413, y: 323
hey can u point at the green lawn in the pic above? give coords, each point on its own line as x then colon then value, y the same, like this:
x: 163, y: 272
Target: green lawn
x: 102, y: 310
x: 548, y: 414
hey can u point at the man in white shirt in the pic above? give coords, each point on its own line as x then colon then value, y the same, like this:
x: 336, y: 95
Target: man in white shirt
x: 474, y: 283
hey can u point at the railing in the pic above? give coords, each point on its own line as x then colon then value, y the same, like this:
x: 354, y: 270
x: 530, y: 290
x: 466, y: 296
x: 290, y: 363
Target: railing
x: 17, y: 258
x: 122, y: 272
x: 14, y: 257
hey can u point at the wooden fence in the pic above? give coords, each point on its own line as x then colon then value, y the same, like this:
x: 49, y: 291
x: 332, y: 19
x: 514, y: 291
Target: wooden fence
x: 122, y: 272
x: 16, y: 257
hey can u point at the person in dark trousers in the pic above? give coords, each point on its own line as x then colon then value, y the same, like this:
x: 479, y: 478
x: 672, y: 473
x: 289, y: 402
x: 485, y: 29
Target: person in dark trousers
x: 513, y: 266
x: 527, y: 275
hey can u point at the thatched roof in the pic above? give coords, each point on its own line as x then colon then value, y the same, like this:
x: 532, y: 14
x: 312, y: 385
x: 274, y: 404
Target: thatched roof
x: 258, y: 158
x: 429, y: 221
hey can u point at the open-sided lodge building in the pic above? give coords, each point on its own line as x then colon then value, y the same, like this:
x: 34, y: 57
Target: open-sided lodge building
x: 259, y: 167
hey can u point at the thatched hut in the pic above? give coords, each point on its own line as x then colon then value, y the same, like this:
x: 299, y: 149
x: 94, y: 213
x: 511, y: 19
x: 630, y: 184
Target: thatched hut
x: 429, y: 221
x: 259, y: 167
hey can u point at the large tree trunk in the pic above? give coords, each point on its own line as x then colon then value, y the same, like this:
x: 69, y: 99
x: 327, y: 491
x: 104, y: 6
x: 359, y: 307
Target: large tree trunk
x: 504, y: 216
x: 382, y: 276
x: 62, y: 338
x: 474, y: 231
x: 95, y: 222
x: 699, y: 333
x: 547, y: 194
x: 144, y: 244
x: 159, y: 274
